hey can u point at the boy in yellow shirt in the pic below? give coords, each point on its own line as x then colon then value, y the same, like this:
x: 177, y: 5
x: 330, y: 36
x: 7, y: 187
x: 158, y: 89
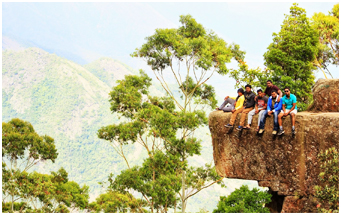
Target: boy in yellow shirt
x: 236, y: 108
x: 235, y: 102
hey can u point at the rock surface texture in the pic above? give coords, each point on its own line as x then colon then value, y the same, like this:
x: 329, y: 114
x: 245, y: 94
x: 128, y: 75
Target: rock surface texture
x: 287, y: 164
x: 326, y: 96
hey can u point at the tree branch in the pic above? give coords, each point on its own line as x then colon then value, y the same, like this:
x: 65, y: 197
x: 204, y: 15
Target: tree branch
x: 204, y: 188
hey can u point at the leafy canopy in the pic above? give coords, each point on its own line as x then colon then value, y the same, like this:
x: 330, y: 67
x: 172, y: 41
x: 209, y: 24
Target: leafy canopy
x: 19, y: 136
x: 192, y: 54
x: 243, y: 200
x: 292, y: 53
x: 328, y: 31
x: 34, y: 192
x: 192, y: 41
x: 155, y: 123
x: 116, y: 202
x: 49, y: 193
x: 155, y: 117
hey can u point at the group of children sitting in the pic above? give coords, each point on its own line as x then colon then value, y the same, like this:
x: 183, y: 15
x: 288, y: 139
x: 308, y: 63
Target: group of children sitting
x: 265, y: 104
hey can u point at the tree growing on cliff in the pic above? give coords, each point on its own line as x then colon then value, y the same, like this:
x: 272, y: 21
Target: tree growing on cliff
x: 328, y: 193
x: 292, y: 53
x: 244, y: 200
x: 191, y: 55
x: 22, y: 148
x: 153, y: 122
x: 327, y: 27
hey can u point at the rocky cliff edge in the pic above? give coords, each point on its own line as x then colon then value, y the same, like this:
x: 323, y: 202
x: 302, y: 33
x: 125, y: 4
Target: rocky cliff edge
x: 287, y: 164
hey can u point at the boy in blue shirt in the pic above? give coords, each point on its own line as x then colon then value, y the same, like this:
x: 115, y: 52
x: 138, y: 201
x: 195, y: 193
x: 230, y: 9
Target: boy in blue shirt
x: 273, y: 107
x: 289, y: 107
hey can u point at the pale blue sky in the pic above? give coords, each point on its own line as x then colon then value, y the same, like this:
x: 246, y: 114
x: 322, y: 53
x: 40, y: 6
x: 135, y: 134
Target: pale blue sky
x: 83, y: 32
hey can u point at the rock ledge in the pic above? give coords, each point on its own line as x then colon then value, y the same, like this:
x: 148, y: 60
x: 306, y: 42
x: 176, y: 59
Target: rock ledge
x: 287, y: 164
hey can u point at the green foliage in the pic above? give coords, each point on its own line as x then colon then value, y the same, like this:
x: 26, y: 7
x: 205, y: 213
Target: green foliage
x: 18, y: 136
x: 328, y: 193
x: 243, y: 200
x: 204, y: 94
x: 116, y: 202
x: 67, y: 102
x: 64, y: 100
x: 189, y: 53
x: 335, y: 11
x: 328, y: 30
x: 36, y: 192
x: 191, y: 47
x: 292, y: 53
x: 295, y: 53
x: 43, y: 193
x: 255, y: 77
x: 155, y: 179
x: 133, y: 87
x: 190, y: 40
x: 154, y: 123
x: 197, y: 177
x: 17, y: 206
x: 244, y: 75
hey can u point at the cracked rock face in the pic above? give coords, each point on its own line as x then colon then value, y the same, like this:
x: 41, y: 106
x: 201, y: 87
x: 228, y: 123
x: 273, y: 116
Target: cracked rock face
x: 286, y: 164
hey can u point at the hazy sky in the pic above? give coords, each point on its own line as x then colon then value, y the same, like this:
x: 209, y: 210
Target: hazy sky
x: 83, y: 32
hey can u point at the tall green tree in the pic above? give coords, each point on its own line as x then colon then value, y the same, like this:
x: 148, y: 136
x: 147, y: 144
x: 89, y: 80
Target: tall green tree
x: 292, y: 53
x: 18, y: 138
x: 22, y: 148
x: 153, y: 122
x: 191, y: 55
x: 328, y: 30
x: 244, y: 200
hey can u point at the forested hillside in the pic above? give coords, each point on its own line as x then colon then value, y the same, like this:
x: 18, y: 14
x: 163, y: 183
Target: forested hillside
x: 62, y: 99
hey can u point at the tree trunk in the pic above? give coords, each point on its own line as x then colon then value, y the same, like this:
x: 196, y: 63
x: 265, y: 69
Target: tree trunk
x: 152, y: 197
x: 183, y: 193
x: 175, y: 206
x: 12, y: 204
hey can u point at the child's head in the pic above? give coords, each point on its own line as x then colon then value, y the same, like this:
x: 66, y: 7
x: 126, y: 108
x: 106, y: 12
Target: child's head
x: 240, y: 91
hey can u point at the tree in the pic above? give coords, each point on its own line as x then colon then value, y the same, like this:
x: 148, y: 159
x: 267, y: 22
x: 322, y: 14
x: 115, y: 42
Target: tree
x: 22, y: 148
x: 191, y: 55
x: 243, y: 200
x: 154, y: 123
x: 328, y: 30
x: 328, y: 193
x: 292, y: 53
x: 116, y: 202
x: 19, y: 137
